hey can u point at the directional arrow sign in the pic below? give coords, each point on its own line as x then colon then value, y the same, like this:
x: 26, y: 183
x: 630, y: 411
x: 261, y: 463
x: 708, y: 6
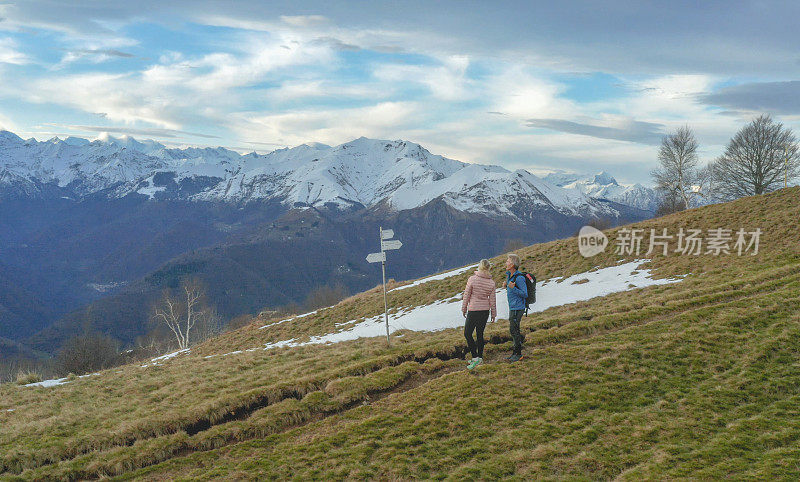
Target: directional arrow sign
x: 387, y: 234
x: 376, y: 257
x: 391, y: 244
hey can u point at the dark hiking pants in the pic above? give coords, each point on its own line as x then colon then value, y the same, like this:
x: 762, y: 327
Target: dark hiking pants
x: 514, y: 319
x: 476, y: 321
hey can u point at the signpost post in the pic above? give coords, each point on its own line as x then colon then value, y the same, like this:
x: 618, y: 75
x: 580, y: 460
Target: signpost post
x: 387, y: 244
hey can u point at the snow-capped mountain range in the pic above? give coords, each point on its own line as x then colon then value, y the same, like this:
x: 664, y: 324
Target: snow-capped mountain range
x: 104, y: 225
x: 397, y: 175
x: 604, y: 186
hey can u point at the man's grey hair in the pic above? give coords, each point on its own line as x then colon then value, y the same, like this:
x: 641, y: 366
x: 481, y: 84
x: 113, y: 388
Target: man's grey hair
x: 514, y: 259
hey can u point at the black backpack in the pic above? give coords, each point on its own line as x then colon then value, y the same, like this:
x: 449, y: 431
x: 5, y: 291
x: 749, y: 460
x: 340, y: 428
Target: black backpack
x: 530, y: 284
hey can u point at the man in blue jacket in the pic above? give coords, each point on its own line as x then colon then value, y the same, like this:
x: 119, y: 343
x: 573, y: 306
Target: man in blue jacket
x: 517, y: 292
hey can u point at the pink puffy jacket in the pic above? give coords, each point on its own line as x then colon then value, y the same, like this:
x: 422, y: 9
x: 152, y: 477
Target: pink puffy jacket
x: 479, y: 294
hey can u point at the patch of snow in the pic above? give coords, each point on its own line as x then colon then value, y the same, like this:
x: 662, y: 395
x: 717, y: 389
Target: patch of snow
x: 104, y: 287
x: 278, y: 344
x: 289, y: 319
x: 57, y: 381
x: 445, y: 314
x: 436, y: 277
x: 49, y: 383
x: 155, y: 361
x: 170, y: 355
x: 150, y: 190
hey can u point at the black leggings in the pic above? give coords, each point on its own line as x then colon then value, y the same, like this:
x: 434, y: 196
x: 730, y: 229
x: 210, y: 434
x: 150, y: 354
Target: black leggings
x: 476, y: 321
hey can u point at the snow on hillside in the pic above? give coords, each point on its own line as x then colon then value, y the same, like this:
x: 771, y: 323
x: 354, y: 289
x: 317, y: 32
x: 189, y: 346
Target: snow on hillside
x: 446, y: 313
x: 362, y: 172
x: 55, y: 382
x: 436, y: 277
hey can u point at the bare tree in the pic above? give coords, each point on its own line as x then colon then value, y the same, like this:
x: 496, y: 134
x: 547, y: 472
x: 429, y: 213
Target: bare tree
x: 181, y: 311
x: 209, y: 325
x: 671, y: 202
x: 88, y: 353
x: 157, y: 341
x: 514, y: 244
x: 326, y: 295
x: 757, y: 159
x: 678, y: 173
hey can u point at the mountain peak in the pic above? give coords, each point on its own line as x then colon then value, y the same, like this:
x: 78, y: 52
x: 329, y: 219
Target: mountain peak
x: 129, y: 142
x: 317, y: 145
x: 9, y: 137
x: 604, y: 178
x: 76, y: 141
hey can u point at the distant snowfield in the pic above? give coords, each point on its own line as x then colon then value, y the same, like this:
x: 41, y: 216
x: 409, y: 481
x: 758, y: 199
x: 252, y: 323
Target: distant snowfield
x: 446, y: 313
x: 436, y: 277
x: 289, y: 319
x: 56, y: 382
x: 49, y: 383
x: 156, y: 361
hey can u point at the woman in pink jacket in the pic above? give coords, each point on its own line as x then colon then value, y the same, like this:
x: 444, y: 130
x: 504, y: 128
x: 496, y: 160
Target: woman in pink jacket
x: 477, y: 302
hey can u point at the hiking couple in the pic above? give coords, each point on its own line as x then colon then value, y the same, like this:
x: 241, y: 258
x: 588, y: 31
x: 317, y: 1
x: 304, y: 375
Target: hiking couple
x: 479, y: 302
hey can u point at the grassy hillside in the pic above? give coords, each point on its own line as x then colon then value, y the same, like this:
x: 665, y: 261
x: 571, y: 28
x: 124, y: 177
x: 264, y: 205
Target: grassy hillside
x: 699, y: 378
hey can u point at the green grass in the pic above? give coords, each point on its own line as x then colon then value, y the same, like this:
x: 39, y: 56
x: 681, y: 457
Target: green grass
x: 698, y: 379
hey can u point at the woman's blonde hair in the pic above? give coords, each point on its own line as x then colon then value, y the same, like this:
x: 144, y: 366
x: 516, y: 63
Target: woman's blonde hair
x: 484, y: 265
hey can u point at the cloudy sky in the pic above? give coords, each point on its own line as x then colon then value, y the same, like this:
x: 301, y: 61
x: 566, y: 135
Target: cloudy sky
x: 534, y: 85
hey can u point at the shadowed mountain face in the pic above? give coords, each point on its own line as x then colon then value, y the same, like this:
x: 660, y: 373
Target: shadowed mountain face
x: 93, y: 231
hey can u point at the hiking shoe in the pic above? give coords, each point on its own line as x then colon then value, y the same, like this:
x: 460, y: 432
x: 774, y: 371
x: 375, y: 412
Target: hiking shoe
x: 515, y: 358
x: 509, y: 357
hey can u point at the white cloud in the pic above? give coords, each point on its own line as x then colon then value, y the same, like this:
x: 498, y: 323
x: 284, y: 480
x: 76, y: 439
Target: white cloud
x: 7, y: 124
x: 521, y: 95
x: 304, y: 20
x: 177, y: 88
x: 332, y: 126
x: 671, y: 95
x: 447, y: 81
x: 258, y: 56
x: 9, y: 53
x: 253, y: 80
x: 300, y: 89
x: 119, y: 97
x: 369, y: 37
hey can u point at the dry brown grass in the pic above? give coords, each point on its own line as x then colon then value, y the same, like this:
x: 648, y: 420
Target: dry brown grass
x: 132, y: 417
